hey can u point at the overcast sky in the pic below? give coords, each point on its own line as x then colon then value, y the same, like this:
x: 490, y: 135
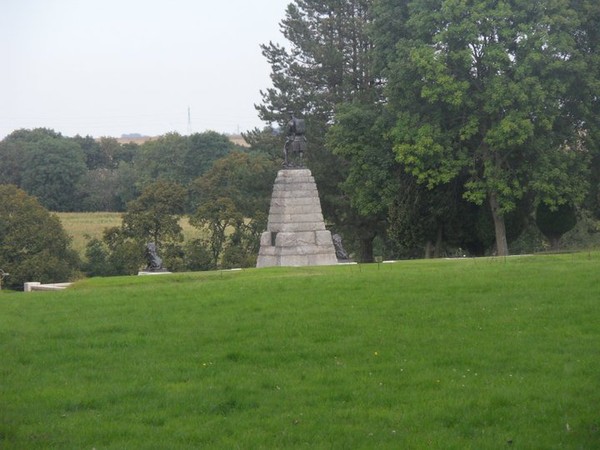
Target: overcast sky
x: 110, y: 67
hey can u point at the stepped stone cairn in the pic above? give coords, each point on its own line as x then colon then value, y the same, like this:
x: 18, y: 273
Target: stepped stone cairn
x: 296, y: 234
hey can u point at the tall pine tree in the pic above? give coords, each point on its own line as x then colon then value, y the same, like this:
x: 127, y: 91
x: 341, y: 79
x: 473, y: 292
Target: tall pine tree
x: 328, y: 63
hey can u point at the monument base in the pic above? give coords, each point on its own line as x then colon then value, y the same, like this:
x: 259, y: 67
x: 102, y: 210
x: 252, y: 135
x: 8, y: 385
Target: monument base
x: 303, y: 248
x: 296, y: 234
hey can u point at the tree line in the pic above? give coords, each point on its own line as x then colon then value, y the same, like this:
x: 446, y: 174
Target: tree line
x: 86, y: 174
x: 437, y: 125
x: 223, y: 188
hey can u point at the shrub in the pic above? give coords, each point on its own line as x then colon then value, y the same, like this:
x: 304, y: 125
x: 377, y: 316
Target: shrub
x: 33, y: 243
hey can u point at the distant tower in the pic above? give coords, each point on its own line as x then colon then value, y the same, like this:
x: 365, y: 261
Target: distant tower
x: 189, y: 125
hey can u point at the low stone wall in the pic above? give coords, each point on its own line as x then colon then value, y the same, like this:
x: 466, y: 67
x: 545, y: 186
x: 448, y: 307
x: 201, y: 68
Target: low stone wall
x: 37, y: 286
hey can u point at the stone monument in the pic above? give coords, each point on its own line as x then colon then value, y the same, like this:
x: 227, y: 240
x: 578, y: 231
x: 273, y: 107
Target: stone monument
x: 296, y: 234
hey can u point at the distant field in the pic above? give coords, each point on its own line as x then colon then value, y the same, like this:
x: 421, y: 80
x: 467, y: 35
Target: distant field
x: 487, y: 353
x: 84, y: 226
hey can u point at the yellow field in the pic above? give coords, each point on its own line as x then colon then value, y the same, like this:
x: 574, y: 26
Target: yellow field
x: 84, y: 226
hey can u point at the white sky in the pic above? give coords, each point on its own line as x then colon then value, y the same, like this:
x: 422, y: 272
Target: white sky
x: 109, y: 67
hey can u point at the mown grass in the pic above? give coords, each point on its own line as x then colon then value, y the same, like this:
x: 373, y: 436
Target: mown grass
x: 83, y: 226
x: 471, y: 353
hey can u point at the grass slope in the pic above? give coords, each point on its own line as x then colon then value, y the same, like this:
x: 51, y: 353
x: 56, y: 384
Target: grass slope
x: 485, y: 353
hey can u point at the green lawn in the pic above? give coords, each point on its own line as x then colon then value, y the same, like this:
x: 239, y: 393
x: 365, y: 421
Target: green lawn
x: 446, y: 354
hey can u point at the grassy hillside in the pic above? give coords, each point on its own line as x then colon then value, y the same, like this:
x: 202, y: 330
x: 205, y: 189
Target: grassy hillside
x: 484, y: 353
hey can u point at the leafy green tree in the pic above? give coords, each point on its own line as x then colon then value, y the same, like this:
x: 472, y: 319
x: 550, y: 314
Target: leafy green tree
x: 97, y: 262
x: 11, y: 162
x: 14, y: 152
x: 215, y: 217
x: 154, y: 215
x: 197, y: 256
x: 420, y: 218
x: 33, y: 244
x: 232, y: 202
x: 586, y: 91
x: 52, y: 170
x: 109, y: 183
x: 94, y: 157
x: 126, y: 153
x: 358, y: 135
x: 161, y: 159
x: 203, y: 150
x: 179, y: 159
x: 111, y: 152
x: 104, y: 153
x: 99, y: 190
x: 386, y: 201
x: 479, y: 90
x: 126, y: 185
x: 247, y: 179
x: 44, y: 164
x: 118, y: 254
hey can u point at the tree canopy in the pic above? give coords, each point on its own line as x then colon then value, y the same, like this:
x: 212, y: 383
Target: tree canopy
x: 33, y: 244
x: 231, y: 203
x: 44, y: 164
x: 180, y: 159
x: 481, y: 89
x: 494, y: 103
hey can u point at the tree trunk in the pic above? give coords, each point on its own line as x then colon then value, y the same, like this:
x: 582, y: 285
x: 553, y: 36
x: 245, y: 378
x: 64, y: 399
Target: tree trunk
x: 428, y: 250
x: 366, y: 249
x: 499, y: 226
x: 437, y: 253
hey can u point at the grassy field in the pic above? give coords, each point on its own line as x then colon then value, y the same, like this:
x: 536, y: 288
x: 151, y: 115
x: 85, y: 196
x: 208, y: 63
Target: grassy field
x: 83, y: 226
x: 445, y: 354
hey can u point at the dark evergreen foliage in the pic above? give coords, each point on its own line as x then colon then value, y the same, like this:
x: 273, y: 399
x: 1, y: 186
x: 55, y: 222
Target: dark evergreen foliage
x: 555, y: 222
